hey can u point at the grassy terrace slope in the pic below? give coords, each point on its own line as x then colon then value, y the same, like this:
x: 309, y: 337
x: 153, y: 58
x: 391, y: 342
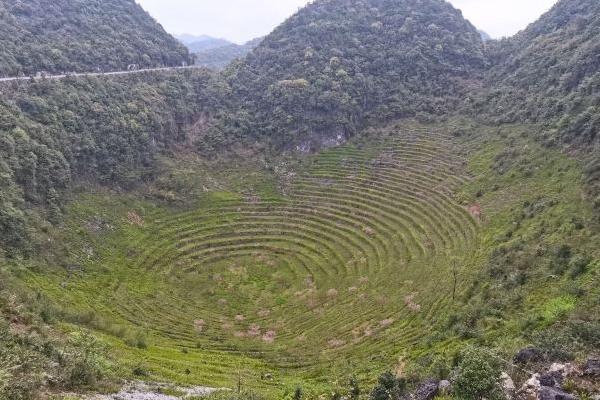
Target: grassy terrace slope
x: 352, y: 261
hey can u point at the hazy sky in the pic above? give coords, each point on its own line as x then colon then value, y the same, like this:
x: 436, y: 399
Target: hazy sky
x: 242, y: 20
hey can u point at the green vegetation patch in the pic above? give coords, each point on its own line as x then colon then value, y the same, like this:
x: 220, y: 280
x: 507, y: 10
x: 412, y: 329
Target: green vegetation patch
x: 310, y: 271
x: 350, y: 264
x: 558, y: 308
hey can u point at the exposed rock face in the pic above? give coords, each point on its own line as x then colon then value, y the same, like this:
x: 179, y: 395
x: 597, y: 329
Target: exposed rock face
x: 427, y: 390
x: 592, y: 367
x: 153, y: 391
x: 531, y: 387
x: 551, y: 379
x: 549, y: 393
x: 444, y: 388
x: 562, y: 370
x: 547, y: 385
x: 508, y: 386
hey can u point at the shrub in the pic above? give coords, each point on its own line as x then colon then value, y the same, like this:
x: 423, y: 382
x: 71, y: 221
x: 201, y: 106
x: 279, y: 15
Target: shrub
x: 354, y: 389
x: 140, y: 371
x: 563, y: 252
x: 587, y: 332
x: 298, y: 393
x: 389, y: 387
x: 86, y: 364
x: 579, y: 265
x: 478, y: 375
x: 138, y: 341
x: 555, y: 344
x: 20, y: 366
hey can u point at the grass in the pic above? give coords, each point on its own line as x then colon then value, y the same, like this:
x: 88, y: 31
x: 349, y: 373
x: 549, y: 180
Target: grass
x: 533, y: 205
x: 557, y: 308
x: 277, y: 280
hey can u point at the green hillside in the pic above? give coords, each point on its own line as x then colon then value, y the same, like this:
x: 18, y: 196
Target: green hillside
x: 549, y: 74
x: 393, y: 251
x: 110, y: 131
x: 81, y: 36
x: 259, y: 276
x: 330, y: 68
x: 218, y: 58
x: 371, y: 189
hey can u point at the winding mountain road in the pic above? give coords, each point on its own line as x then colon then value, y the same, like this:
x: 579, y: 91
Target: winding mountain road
x: 76, y: 74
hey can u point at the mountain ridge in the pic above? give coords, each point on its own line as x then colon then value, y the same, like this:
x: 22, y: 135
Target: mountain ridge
x: 552, y: 69
x: 341, y: 48
x: 198, y: 43
x: 219, y: 57
x: 82, y: 36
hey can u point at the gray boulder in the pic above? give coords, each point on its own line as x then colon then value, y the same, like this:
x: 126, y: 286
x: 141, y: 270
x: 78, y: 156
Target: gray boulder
x: 527, y: 355
x: 551, y: 379
x: 508, y: 386
x: 550, y: 393
x: 531, y: 387
x: 444, y: 388
x: 592, y: 367
x: 427, y: 390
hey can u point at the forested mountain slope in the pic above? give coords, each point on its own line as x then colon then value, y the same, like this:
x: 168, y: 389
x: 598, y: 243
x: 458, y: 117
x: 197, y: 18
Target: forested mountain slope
x: 337, y: 63
x: 550, y: 74
x: 219, y: 57
x: 104, y: 130
x: 82, y: 36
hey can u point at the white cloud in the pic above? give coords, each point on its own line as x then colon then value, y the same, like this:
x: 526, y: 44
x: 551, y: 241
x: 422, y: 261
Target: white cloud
x: 242, y: 20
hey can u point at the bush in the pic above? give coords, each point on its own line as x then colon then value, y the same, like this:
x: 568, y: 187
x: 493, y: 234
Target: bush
x: 555, y: 344
x: 587, y: 332
x: 478, y: 375
x: 20, y: 368
x: 389, y: 387
x: 298, y: 393
x: 579, y: 265
x: 85, y: 368
x: 140, y: 371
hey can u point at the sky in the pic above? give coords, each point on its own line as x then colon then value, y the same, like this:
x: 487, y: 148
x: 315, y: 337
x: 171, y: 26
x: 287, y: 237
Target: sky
x: 243, y: 20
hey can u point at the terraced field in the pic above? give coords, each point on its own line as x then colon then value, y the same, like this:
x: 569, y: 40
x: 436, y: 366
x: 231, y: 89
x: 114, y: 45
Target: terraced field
x: 354, y: 263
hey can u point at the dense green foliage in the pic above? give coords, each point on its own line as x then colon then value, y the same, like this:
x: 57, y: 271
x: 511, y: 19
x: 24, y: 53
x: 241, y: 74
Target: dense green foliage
x: 82, y: 36
x: 89, y: 129
x: 219, y: 57
x: 389, y: 387
x: 336, y: 64
x: 478, y: 376
x: 550, y: 74
x: 225, y: 281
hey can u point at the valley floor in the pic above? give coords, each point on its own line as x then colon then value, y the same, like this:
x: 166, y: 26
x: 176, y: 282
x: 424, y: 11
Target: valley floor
x: 374, y: 255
